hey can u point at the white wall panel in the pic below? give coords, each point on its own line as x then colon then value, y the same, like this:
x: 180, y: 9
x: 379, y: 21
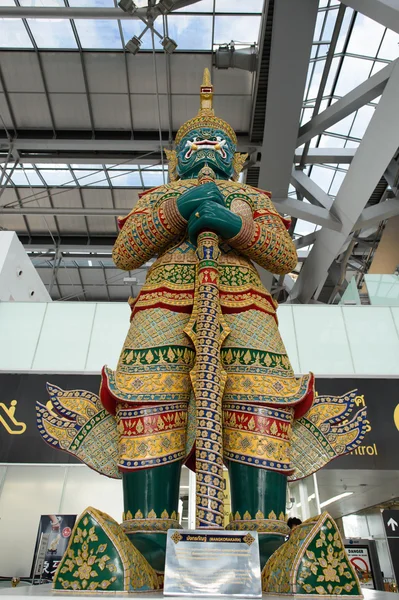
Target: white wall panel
x: 28, y: 492
x: 110, y: 328
x: 287, y: 332
x: 65, y: 336
x: 84, y: 487
x: 373, y: 339
x: 322, y: 342
x: 20, y: 325
x: 83, y: 336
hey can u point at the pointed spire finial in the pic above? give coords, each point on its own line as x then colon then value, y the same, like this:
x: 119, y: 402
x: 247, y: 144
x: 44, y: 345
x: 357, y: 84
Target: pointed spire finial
x: 206, y: 95
x: 206, y: 79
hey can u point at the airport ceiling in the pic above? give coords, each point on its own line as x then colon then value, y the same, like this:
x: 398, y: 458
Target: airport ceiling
x: 311, y: 91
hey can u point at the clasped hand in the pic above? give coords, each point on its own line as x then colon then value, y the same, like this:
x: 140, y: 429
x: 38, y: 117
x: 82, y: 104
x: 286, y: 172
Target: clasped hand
x: 203, y: 207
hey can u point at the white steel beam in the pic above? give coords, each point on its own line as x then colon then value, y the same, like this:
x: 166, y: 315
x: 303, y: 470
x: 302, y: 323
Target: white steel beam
x: 308, y: 212
x: 373, y: 215
x: 379, y: 145
x: 385, y: 12
x: 48, y: 12
x: 317, y: 156
x: 290, y: 206
x: 79, y: 145
x: 305, y: 240
x: 363, y: 93
x: 292, y: 36
x: 310, y: 190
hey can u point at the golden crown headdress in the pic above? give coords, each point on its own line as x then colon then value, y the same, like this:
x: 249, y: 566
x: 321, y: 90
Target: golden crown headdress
x: 206, y: 114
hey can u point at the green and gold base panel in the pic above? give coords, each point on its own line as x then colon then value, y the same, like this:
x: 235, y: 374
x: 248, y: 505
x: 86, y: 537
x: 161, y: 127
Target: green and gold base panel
x: 100, y: 558
x: 313, y: 562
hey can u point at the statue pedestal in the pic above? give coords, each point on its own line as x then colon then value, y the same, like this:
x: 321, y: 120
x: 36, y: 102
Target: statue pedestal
x: 45, y: 592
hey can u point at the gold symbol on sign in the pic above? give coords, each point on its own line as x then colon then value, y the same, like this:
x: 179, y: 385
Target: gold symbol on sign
x: 396, y: 417
x: 8, y: 420
x: 176, y: 537
x: 248, y: 539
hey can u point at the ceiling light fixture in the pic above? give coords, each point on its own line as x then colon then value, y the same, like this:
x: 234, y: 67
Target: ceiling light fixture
x: 133, y: 45
x: 165, y: 6
x: 169, y: 45
x: 335, y: 498
x: 128, y: 6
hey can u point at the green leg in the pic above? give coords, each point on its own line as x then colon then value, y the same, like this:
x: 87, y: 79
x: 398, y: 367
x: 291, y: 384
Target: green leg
x: 146, y: 492
x: 259, y: 498
x: 154, y: 489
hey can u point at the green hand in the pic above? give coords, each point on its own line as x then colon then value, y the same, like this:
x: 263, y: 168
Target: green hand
x: 189, y: 202
x: 212, y: 216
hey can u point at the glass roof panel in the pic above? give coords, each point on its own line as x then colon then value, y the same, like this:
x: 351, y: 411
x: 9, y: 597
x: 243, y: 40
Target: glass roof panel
x: 354, y: 71
x: 316, y: 78
x: 58, y: 177
x: 304, y: 227
x: 50, y: 166
x: 201, y: 6
x: 344, y: 30
x: 322, y: 176
x: 95, y: 167
x: 27, y: 177
x: 13, y: 34
x: 366, y: 36
x: 336, y: 183
x: 98, y: 33
x: 153, y: 178
x: 343, y: 126
x: 7, y: 3
x: 328, y: 141
x: 125, y: 179
x: 94, y: 178
x: 52, y: 33
x: 362, y: 121
x: 191, y: 32
x: 51, y: 3
x: 244, y: 30
x: 390, y: 45
x: 93, y: 3
x: 238, y: 6
x: 329, y: 24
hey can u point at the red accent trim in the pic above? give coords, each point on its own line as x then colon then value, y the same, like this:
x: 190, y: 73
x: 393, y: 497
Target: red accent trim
x: 108, y: 400
x: 261, y: 424
x: 307, y: 400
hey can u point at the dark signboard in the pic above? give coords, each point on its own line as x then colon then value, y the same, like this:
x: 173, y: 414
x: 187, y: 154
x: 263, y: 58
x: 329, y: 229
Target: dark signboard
x: 57, y: 529
x: 391, y: 523
x: 20, y: 441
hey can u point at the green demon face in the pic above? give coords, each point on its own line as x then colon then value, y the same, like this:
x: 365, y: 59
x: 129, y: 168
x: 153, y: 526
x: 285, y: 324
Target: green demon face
x: 205, y: 146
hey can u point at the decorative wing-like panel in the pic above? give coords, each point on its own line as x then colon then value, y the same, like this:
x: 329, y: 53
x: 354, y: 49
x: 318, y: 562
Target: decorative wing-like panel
x: 76, y: 422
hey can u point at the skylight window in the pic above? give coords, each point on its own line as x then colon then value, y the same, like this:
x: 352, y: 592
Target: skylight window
x: 13, y: 34
x: 191, y: 32
x: 99, y: 33
x: 52, y: 33
x: 239, y: 29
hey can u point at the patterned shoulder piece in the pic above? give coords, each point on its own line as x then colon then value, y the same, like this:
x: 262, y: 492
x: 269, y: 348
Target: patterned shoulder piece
x: 76, y: 422
x: 325, y: 432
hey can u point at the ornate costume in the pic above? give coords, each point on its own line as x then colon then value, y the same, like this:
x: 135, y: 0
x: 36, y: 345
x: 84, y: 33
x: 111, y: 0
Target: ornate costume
x: 203, y: 377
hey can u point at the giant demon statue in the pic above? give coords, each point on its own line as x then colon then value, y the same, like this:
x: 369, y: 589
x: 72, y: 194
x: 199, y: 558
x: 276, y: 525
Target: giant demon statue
x: 203, y: 377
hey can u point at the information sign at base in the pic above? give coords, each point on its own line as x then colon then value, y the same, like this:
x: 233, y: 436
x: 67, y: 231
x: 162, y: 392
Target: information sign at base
x: 212, y: 563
